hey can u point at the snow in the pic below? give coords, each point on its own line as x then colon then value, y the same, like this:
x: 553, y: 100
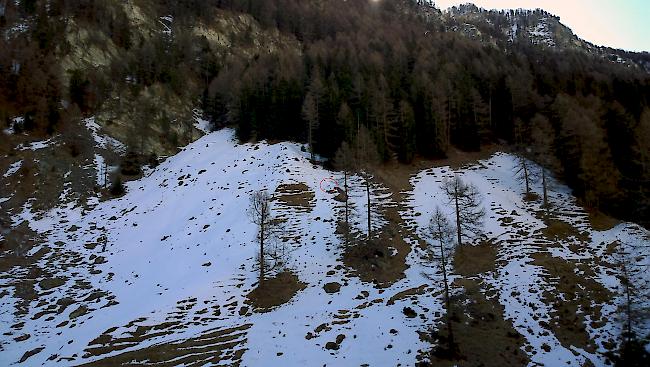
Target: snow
x: 191, y: 210
x: 166, y: 21
x: 37, y: 145
x: 15, y: 121
x: 103, y: 141
x: 16, y: 29
x: 200, y: 123
x: 541, y: 34
x: 13, y: 168
x: 495, y: 180
x: 145, y: 267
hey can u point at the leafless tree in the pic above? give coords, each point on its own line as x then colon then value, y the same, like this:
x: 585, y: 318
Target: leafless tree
x: 367, y: 157
x: 344, y: 160
x: 442, y: 232
x: 310, y: 114
x: 272, y: 253
x: 361, y: 156
x: 635, y: 296
x: 310, y: 108
x: 524, y: 173
x: 542, y: 144
x: 467, y: 203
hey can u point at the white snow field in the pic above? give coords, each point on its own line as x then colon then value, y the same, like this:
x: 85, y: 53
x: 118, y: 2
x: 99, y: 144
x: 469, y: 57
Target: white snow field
x: 170, y: 264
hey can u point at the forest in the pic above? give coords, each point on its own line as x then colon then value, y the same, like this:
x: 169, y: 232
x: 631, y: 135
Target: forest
x: 394, y: 68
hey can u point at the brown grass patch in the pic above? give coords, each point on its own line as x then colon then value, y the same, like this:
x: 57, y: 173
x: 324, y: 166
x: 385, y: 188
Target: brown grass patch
x: 296, y: 196
x: 473, y: 260
x: 483, y: 336
x: 372, y: 261
x: 209, y: 348
x: 573, y: 297
x: 275, y: 291
x: 407, y: 293
x: 560, y: 230
x: 397, y: 176
x: 602, y: 222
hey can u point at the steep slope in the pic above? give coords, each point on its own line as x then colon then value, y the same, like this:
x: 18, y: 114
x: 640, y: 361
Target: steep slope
x: 162, y: 275
x: 537, y: 28
x: 422, y: 81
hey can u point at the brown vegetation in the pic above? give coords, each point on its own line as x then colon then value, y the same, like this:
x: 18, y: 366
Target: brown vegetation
x: 275, y: 291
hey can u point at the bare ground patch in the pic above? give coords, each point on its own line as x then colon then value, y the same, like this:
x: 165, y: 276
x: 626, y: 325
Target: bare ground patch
x: 373, y: 261
x: 560, y: 230
x: 602, y: 222
x: 482, y: 335
x: 275, y: 291
x: 397, y: 176
x: 473, y: 260
x: 573, y: 297
x: 297, y: 196
x: 212, y: 347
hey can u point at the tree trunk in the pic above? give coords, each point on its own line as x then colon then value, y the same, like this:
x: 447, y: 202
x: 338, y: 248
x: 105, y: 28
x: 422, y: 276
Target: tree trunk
x: 368, y: 196
x: 311, y: 143
x: 525, y: 164
x: 628, y: 305
x: 492, y: 126
x: 450, y: 336
x: 347, y: 208
x: 460, y: 243
x: 629, y: 312
x: 545, y: 194
x: 262, y: 252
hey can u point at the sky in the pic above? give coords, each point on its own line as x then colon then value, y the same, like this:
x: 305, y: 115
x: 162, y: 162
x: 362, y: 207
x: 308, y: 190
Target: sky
x: 621, y: 24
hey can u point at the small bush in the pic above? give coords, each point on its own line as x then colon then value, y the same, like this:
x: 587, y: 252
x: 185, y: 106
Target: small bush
x: 130, y: 165
x: 117, y: 187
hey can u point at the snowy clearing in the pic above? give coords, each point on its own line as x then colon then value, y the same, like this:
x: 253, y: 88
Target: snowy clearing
x: 169, y: 265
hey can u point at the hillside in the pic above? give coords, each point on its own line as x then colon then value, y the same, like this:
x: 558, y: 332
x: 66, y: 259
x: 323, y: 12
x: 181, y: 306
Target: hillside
x: 164, y: 274
x: 532, y: 27
x: 424, y: 82
x: 134, y: 134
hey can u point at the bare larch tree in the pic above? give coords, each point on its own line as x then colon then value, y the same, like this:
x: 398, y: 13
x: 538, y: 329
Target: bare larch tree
x: 310, y: 109
x: 442, y: 232
x: 635, y: 296
x: 344, y: 160
x: 542, y: 142
x: 367, y: 157
x: 524, y: 173
x: 271, y: 252
x: 361, y: 156
x: 467, y: 203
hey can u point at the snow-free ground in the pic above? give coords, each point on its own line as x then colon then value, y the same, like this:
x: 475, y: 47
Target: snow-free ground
x: 165, y: 270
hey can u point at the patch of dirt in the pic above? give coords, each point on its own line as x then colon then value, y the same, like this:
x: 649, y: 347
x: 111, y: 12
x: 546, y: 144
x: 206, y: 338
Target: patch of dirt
x: 297, y: 196
x: 212, y: 347
x: 560, y: 230
x: 473, y: 260
x: 573, y: 297
x: 397, y: 176
x: 411, y: 292
x: 30, y: 353
x: 275, y: 291
x: 531, y: 196
x: 482, y: 335
x: 49, y: 283
x: 602, y: 222
x: 374, y: 262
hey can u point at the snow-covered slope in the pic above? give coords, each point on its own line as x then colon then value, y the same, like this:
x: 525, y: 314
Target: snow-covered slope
x: 166, y: 269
